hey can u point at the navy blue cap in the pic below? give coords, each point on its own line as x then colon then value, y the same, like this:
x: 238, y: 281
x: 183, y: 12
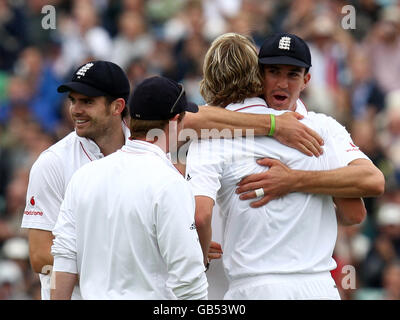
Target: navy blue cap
x: 285, y: 48
x: 159, y: 98
x: 99, y: 78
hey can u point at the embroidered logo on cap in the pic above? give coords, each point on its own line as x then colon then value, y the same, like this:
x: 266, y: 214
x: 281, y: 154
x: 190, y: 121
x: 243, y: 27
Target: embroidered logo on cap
x: 82, y: 70
x: 284, y: 43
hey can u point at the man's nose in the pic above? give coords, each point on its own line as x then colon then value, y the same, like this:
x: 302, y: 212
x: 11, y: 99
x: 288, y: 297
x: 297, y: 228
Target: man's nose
x: 282, y: 82
x: 75, y: 108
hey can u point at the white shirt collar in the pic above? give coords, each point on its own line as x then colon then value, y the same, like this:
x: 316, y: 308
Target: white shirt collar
x: 259, y: 102
x: 143, y: 147
x: 250, y: 102
x: 301, y: 108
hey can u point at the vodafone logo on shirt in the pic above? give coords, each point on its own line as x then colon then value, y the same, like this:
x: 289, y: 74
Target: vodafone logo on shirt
x: 32, y: 203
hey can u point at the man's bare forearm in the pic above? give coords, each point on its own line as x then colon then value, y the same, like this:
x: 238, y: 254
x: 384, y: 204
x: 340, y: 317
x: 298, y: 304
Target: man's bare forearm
x: 205, y: 240
x: 352, y: 181
x: 203, y: 215
x: 350, y: 211
x: 359, y: 179
x: 40, y: 242
x: 64, y: 285
x: 288, y: 129
x: 220, y: 119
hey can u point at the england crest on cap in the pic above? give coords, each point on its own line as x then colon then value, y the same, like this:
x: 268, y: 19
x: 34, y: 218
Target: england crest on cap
x: 82, y: 70
x: 284, y: 43
x: 99, y: 78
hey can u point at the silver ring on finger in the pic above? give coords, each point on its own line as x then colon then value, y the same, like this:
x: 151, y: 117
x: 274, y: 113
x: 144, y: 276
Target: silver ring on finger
x: 259, y: 192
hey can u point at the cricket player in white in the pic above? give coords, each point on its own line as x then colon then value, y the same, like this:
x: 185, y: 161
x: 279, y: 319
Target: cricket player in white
x: 99, y: 130
x: 49, y: 178
x: 126, y: 225
x: 282, y: 250
x: 271, y: 251
x: 284, y: 60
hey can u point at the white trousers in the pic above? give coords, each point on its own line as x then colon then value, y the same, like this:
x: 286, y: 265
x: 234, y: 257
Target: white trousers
x: 315, y: 286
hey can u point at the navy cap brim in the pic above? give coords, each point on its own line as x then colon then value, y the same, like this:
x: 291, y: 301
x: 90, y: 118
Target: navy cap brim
x: 192, y: 107
x: 283, y: 60
x: 81, y: 88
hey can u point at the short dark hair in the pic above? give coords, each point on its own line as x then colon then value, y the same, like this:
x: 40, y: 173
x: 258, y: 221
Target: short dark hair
x: 110, y: 99
x: 140, y: 128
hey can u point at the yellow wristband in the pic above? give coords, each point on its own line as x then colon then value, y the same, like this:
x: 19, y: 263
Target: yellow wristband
x: 272, y: 125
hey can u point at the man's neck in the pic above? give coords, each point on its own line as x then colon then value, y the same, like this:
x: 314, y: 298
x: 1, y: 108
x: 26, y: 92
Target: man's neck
x: 110, y: 143
x: 157, y: 142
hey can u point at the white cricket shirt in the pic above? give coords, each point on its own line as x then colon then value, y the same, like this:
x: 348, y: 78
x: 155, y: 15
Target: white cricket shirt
x: 48, y: 180
x: 126, y: 226
x: 292, y: 234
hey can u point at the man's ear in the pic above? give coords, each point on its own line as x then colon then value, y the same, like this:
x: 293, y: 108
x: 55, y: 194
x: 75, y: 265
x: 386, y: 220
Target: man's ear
x: 118, y: 106
x: 175, y: 118
x: 307, y: 78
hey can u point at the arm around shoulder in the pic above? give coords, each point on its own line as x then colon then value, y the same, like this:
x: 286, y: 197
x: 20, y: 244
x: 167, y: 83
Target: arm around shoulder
x: 360, y: 178
x: 209, y: 117
x: 288, y: 129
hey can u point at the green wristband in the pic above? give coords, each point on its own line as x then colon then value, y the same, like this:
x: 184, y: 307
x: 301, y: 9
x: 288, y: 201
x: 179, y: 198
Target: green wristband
x: 272, y: 125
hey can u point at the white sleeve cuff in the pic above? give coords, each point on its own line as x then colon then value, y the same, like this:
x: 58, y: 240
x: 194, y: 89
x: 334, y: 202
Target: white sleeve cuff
x: 63, y: 264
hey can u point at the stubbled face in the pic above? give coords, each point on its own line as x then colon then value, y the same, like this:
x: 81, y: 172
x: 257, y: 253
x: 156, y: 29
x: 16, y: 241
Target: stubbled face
x: 91, y: 115
x: 283, y: 85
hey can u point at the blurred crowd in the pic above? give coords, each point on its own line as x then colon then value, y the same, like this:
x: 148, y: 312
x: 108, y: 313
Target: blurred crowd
x: 355, y: 79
